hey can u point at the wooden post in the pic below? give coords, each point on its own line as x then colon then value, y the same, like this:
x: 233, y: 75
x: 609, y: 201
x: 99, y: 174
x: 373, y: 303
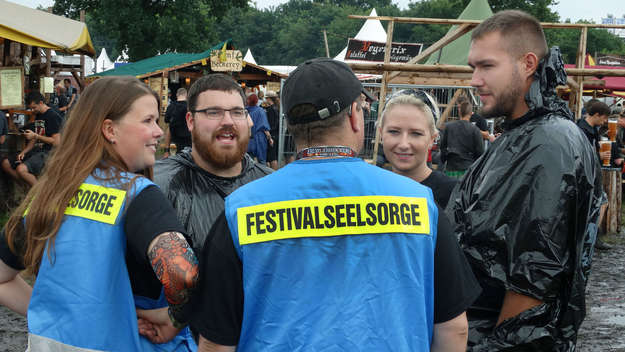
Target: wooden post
x: 612, y: 185
x: 160, y: 94
x: 387, y: 59
x: 82, y: 57
x: 450, y: 106
x: 581, y: 57
x: 325, y: 40
x: 48, y: 62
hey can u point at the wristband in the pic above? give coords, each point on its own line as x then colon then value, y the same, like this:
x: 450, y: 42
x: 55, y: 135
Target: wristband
x: 174, y: 322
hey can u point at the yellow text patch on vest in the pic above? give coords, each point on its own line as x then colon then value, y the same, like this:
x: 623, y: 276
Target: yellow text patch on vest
x: 323, y: 217
x: 96, y: 203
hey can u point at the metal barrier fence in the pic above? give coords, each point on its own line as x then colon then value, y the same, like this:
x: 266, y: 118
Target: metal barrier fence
x: 442, y: 95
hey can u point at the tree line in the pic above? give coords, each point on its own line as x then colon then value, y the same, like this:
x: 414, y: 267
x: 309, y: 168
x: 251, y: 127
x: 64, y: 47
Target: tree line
x: 291, y: 32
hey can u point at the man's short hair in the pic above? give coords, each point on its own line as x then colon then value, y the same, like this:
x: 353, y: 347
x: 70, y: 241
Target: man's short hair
x: 522, y: 33
x: 465, y: 108
x: 67, y: 80
x: 252, y: 99
x: 598, y: 107
x: 214, y: 81
x: 314, y: 132
x: 461, y: 99
x: 34, y: 97
x: 590, y: 102
x: 181, y: 92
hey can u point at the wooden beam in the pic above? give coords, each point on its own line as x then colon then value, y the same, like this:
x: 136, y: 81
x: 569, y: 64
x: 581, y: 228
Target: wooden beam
x: 82, y: 57
x: 581, y: 57
x: 572, y: 83
x: 595, y: 83
x: 383, y: 87
x: 421, y: 81
x: 79, y: 80
x: 253, y: 77
x: 476, y: 22
x: 447, y: 112
x: 381, y: 67
x: 448, y: 38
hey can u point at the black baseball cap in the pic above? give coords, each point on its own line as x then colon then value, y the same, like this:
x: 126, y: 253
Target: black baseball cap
x: 329, y: 85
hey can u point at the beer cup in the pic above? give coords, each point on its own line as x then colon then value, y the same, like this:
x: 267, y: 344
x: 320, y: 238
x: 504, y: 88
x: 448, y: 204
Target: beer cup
x: 605, y: 146
x: 172, y: 149
x: 612, y: 123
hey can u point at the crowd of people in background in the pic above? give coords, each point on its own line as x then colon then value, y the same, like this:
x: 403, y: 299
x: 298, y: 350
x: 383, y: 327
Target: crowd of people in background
x: 214, y: 247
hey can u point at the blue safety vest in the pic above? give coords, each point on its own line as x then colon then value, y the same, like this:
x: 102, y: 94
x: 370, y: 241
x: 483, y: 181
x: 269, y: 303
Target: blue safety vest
x: 82, y: 299
x: 337, y: 255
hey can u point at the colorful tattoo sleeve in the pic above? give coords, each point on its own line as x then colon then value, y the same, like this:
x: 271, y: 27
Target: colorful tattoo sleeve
x: 176, y: 267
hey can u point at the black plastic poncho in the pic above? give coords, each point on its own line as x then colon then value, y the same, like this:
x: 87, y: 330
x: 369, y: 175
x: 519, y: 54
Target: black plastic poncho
x: 526, y: 215
x: 197, y: 195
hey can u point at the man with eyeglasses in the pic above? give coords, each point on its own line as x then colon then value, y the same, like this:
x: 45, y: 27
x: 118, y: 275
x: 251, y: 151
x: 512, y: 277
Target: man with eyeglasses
x: 329, y: 252
x: 197, y: 181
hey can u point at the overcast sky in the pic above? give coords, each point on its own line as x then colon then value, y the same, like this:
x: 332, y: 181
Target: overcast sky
x: 573, y: 9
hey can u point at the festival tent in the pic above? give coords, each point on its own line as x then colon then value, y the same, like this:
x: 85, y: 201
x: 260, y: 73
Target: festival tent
x: 39, y: 28
x: 371, y: 30
x: 457, y: 52
x: 249, y: 57
x: 103, y: 62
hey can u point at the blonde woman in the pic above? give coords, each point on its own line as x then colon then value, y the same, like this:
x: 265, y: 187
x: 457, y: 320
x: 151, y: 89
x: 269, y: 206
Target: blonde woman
x: 408, y: 131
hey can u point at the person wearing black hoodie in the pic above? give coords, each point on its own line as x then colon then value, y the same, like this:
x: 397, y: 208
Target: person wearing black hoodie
x: 175, y: 115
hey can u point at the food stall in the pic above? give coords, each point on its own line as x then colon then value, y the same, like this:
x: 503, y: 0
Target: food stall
x: 27, y: 38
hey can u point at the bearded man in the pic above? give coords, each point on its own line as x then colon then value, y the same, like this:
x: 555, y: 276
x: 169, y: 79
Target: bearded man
x: 197, y: 181
x: 527, y: 210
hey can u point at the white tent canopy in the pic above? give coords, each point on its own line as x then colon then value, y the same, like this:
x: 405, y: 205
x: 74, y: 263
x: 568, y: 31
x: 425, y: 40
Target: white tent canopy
x: 372, y: 30
x: 103, y: 62
x: 249, y: 57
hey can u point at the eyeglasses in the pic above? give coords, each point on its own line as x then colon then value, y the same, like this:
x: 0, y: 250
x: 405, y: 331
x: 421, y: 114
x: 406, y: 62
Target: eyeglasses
x: 421, y: 95
x: 219, y: 113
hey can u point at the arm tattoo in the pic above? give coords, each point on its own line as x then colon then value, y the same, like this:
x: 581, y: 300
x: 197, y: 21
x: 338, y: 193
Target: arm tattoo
x: 176, y: 266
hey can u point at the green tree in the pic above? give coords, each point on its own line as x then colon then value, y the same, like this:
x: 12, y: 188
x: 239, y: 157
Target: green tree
x: 146, y: 28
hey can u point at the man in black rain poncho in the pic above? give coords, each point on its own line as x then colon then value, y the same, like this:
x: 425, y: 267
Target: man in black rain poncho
x: 197, y: 181
x: 526, y: 211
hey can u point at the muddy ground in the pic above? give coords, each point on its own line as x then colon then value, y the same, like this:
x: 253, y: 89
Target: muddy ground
x: 602, y: 330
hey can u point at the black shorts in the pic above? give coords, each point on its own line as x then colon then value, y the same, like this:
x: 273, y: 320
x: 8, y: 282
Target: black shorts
x: 35, y: 161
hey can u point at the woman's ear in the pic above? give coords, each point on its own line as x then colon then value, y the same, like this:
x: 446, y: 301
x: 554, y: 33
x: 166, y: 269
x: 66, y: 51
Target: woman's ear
x: 108, y: 130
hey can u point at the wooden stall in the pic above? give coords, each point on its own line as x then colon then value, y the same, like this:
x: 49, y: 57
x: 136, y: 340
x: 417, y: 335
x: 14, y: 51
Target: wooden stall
x: 417, y: 73
x: 27, y: 38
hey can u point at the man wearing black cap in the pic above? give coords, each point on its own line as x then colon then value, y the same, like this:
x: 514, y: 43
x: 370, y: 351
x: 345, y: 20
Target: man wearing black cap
x: 330, y: 253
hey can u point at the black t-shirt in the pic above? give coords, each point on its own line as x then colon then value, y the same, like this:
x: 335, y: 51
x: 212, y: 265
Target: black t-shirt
x: 479, y: 121
x: 218, y: 305
x: 47, y: 124
x: 274, y: 121
x: 148, y: 215
x: 441, y: 186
